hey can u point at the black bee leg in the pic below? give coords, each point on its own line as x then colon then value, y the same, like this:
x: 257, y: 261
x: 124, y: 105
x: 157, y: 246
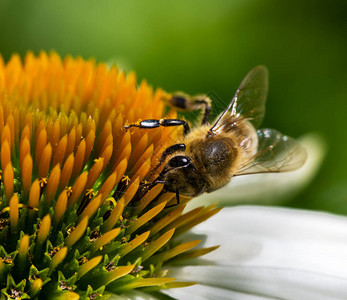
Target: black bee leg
x: 183, y: 102
x: 152, y: 184
x: 151, y: 123
x: 143, y: 190
x: 207, y: 104
x: 177, y: 199
x: 170, y: 150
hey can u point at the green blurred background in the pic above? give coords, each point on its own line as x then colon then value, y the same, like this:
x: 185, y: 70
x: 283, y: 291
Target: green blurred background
x: 203, y: 46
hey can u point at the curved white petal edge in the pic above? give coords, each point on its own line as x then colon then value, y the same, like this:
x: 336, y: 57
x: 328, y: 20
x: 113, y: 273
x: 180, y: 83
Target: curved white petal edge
x: 270, y: 188
x: 269, y: 253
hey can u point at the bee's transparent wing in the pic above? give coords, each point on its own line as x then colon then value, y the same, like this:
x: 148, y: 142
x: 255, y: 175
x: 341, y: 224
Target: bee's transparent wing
x: 276, y: 153
x: 248, y: 101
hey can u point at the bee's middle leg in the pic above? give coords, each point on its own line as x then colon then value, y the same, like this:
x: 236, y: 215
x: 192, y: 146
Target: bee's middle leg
x: 190, y: 104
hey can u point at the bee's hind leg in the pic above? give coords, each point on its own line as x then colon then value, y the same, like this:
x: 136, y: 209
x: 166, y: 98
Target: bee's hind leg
x: 186, y: 103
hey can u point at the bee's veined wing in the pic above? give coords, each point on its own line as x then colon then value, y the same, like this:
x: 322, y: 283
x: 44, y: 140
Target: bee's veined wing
x: 248, y: 101
x: 276, y: 153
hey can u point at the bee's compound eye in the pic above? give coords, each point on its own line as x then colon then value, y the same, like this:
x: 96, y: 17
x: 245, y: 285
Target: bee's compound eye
x: 179, y: 161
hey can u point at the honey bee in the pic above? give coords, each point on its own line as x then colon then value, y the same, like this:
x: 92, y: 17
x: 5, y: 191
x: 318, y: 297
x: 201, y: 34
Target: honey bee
x: 207, y: 157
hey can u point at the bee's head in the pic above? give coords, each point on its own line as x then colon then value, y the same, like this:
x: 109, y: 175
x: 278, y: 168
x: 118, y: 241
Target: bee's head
x: 181, y: 175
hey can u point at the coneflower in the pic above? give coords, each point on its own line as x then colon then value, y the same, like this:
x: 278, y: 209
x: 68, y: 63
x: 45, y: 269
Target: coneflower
x: 72, y: 225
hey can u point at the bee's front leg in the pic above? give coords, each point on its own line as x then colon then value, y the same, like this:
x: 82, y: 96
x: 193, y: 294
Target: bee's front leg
x: 168, y: 151
x: 152, y: 123
x: 177, y: 199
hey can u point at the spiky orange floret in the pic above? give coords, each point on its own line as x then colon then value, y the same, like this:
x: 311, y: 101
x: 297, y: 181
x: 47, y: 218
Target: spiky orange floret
x: 69, y: 220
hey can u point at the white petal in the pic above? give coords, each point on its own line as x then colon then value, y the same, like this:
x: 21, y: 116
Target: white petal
x: 272, y: 187
x: 132, y: 295
x: 204, y: 292
x: 273, y: 252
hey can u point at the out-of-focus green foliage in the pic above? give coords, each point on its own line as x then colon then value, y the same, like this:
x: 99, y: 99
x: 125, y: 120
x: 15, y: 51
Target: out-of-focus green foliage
x: 199, y: 46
